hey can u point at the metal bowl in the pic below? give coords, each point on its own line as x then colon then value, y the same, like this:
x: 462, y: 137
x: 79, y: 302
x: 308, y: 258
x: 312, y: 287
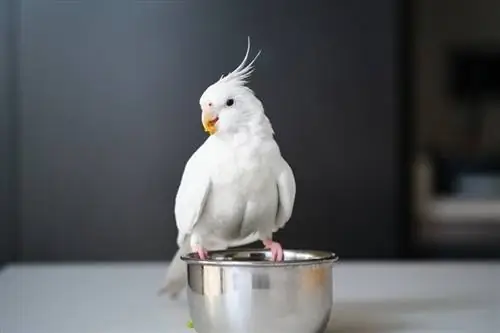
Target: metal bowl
x: 245, y: 291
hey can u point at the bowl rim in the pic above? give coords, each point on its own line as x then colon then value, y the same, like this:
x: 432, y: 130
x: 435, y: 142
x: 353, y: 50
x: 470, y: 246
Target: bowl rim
x: 322, y: 257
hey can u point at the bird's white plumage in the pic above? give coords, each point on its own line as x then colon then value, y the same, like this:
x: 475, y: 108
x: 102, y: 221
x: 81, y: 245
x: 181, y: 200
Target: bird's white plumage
x: 236, y: 188
x: 224, y: 181
x: 192, y: 193
x: 286, y: 190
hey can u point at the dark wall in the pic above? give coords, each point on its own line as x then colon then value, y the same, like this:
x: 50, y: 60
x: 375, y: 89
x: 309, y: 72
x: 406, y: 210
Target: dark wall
x: 110, y: 115
x: 7, y: 128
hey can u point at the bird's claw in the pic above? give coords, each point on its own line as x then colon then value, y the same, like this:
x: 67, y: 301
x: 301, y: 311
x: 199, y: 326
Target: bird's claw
x: 276, y: 250
x: 202, y: 253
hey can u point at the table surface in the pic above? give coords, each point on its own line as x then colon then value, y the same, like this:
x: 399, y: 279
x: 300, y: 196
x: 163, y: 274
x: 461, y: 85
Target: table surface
x: 369, y: 297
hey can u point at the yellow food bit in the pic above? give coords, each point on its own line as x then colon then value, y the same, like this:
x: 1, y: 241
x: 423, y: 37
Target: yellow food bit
x: 190, y: 324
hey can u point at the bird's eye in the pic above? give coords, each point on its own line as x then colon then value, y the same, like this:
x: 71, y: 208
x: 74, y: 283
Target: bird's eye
x: 230, y: 102
x: 210, y: 104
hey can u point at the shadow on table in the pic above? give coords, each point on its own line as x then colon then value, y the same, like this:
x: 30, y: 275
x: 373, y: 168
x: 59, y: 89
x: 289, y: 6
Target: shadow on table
x: 392, y: 315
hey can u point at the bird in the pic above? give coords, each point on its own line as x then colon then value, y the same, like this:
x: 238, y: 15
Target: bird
x: 236, y: 188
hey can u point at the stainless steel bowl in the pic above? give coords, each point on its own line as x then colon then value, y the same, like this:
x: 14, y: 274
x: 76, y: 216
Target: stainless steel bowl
x: 244, y: 291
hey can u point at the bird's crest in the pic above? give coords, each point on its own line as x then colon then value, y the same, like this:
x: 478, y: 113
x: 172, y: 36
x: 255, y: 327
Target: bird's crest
x: 241, y: 74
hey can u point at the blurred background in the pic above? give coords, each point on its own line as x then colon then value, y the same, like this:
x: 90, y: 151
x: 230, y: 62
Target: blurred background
x: 388, y: 111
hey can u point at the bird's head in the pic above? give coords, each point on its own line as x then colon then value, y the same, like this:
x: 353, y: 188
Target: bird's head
x: 228, y: 104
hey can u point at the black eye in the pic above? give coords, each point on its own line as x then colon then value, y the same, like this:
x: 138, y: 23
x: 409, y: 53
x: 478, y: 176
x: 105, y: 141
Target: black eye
x: 230, y: 102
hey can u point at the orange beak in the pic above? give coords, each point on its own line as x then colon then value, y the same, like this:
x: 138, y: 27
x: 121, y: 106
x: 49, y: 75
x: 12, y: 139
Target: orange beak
x: 209, y: 121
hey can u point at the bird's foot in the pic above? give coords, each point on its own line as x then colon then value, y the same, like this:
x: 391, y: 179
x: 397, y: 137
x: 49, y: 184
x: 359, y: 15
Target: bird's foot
x: 276, y: 249
x: 202, y: 253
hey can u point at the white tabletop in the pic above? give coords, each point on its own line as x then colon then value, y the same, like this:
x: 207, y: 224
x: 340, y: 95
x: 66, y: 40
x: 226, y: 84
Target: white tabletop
x: 369, y: 297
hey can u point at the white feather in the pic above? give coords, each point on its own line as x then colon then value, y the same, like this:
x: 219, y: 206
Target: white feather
x: 241, y: 73
x: 286, y: 191
x: 236, y: 188
x: 192, y: 193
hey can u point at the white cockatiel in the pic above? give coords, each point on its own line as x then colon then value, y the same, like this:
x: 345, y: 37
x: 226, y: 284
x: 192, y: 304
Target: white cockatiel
x: 236, y: 187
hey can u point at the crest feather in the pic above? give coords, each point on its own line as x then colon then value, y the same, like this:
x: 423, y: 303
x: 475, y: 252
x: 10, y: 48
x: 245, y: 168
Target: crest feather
x: 241, y: 74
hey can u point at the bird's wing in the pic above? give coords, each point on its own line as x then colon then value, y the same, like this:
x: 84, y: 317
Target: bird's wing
x: 285, y: 181
x: 192, y: 193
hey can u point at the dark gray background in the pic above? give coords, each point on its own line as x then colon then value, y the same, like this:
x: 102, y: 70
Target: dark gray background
x: 8, y: 237
x: 108, y: 114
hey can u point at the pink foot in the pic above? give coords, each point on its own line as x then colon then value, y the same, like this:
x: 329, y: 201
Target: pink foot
x: 202, y: 253
x: 276, y: 249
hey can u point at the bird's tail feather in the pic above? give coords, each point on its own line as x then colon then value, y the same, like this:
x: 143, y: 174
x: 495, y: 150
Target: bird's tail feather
x: 176, y: 273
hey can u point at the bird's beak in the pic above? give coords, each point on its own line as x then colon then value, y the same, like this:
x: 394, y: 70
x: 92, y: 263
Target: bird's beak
x: 209, y: 120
